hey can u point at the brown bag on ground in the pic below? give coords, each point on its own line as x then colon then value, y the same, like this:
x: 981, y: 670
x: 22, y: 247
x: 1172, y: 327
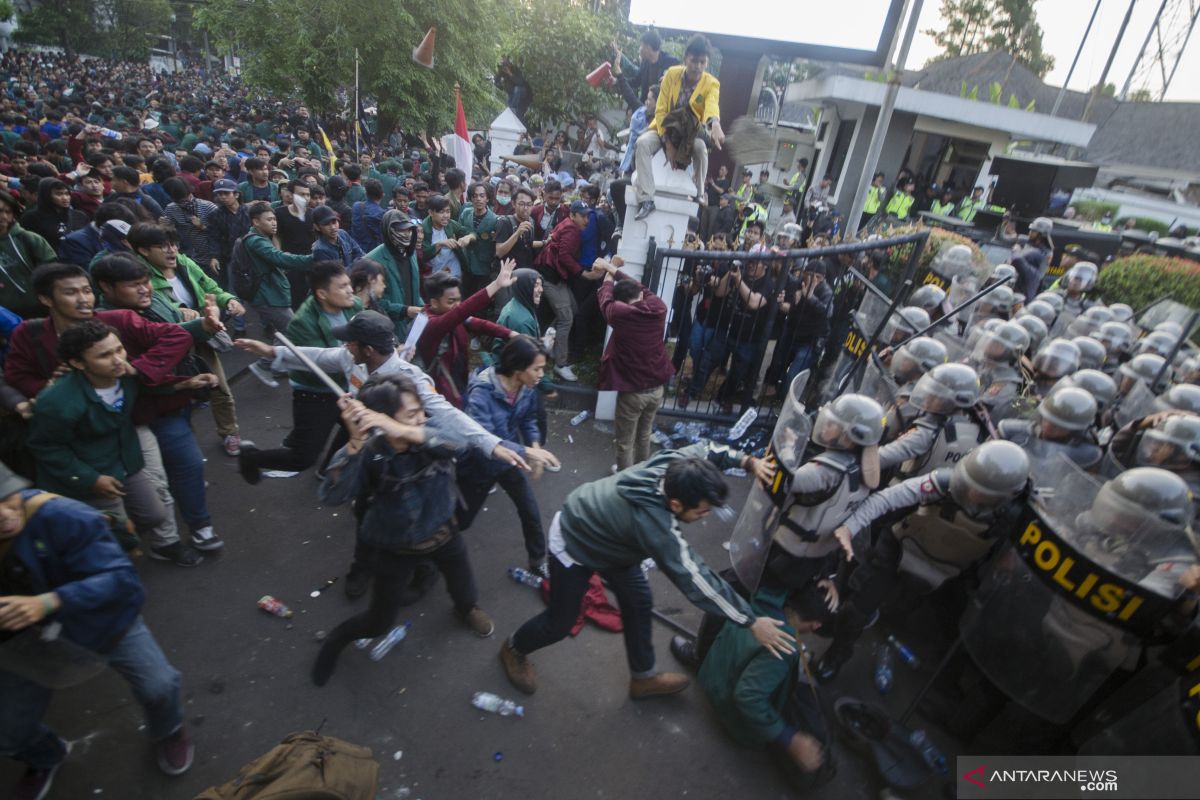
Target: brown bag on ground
x: 304, y: 766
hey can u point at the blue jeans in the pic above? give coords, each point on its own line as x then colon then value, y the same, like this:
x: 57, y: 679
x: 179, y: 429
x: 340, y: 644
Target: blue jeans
x: 708, y: 347
x: 805, y: 358
x: 568, y: 585
x: 185, y: 466
x: 138, y: 659
x: 741, y: 369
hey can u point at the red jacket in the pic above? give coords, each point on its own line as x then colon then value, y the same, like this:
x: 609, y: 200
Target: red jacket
x: 636, y: 359
x: 154, y: 349
x: 85, y: 203
x: 562, y: 212
x: 559, y: 257
x: 445, y: 346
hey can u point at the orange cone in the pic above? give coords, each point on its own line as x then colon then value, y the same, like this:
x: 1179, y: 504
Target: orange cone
x: 423, y: 53
x: 601, y: 74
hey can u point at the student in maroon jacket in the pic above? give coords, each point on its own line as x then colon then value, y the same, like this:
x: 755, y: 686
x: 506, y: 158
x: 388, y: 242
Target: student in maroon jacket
x: 635, y: 364
x: 444, y: 346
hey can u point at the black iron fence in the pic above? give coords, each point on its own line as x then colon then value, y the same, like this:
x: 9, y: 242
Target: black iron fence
x: 742, y: 324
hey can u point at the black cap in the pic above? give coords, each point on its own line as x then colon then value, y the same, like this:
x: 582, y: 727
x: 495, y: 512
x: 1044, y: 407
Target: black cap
x: 580, y: 207
x: 322, y: 215
x: 370, y: 328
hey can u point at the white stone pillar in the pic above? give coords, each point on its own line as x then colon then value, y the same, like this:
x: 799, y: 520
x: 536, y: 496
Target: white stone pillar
x: 504, y: 135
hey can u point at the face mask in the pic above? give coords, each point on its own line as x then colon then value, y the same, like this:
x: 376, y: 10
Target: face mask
x: 503, y: 200
x: 301, y: 202
x: 400, y: 238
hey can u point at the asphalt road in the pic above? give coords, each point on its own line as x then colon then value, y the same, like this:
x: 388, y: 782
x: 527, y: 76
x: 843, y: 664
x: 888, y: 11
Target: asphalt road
x: 246, y: 681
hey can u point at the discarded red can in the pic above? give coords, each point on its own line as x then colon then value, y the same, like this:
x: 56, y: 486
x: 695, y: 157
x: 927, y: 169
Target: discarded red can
x: 272, y: 606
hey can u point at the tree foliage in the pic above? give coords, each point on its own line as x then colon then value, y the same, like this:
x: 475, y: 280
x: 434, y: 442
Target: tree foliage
x: 976, y: 26
x: 122, y: 28
x: 556, y: 43
x: 307, y: 47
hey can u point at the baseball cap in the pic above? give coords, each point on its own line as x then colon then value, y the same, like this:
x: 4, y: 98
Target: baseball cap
x: 369, y: 328
x: 322, y: 215
x: 118, y: 225
x: 10, y: 482
x: 224, y: 185
x: 580, y: 207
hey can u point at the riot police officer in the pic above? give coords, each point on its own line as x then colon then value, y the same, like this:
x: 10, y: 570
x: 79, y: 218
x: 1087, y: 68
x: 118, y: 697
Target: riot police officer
x: 978, y: 500
x: 1169, y: 440
x: 1062, y: 427
x: 945, y: 429
x: 996, y: 356
x: 1091, y: 353
x: 1057, y: 359
x: 1117, y: 338
x: 1100, y: 386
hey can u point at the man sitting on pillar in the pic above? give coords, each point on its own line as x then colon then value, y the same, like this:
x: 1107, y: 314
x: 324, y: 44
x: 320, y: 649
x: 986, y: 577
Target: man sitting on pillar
x: 684, y: 89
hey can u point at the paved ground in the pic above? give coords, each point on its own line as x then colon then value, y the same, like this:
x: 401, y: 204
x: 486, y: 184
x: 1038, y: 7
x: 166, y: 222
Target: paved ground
x: 246, y: 673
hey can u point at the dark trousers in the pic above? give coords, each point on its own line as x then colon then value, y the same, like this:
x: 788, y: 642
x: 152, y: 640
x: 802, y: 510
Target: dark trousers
x: 516, y: 485
x: 314, y: 415
x: 568, y: 585
x: 393, y: 573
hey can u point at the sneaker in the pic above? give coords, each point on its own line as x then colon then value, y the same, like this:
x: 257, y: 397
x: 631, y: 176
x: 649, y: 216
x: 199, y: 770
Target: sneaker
x: 538, y: 566
x: 644, y: 209
x: 566, y: 373
x: 175, y: 753
x: 478, y: 621
x: 250, y: 471
x: 178, y: 554
x: 264, y: 375
x: 205, y: 539
x: 518, y: 668
x: 35, y: 783
x: 663, y: 683
x: 232, y: 445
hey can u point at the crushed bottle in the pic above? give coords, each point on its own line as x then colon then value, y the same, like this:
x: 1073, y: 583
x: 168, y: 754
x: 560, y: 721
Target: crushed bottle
x: 486, y: 701
x: 394, y: 637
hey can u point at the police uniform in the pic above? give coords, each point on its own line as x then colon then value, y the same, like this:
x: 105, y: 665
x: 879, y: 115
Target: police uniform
x: 1081, y: 450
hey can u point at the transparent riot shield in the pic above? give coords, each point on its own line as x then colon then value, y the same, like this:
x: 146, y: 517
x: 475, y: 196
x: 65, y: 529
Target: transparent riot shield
x: 871, y: 312
x: 1154, y: 714
x: 1138, y: 402
x: 1164, y: 311
x: 755, y: 528
x: 1071, y: 598
x: 876, y: 382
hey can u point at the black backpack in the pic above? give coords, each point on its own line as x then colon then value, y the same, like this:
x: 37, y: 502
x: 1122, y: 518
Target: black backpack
x: 246, y: 279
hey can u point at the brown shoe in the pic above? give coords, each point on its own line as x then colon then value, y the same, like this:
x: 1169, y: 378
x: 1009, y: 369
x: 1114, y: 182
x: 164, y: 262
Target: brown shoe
x: 478, y: 621
x: 518, y: 668
x: 660, y: 684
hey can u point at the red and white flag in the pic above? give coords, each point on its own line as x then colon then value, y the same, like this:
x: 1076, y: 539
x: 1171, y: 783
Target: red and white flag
x: 462, y: 140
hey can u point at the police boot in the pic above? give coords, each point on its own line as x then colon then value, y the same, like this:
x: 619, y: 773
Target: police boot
x: 847, y: 628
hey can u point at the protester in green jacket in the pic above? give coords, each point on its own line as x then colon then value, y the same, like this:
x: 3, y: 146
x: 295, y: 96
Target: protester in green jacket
x: 332, y: 304
x: 21, y: 251
x: 521, y: 315
x: 481, y: 253
x: 446, y: 240
x: 269, y: 261
x: 401, y: 299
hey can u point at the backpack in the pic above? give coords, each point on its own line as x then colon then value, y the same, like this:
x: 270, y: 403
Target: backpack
x: 304, y: 766
x: 246, y: 279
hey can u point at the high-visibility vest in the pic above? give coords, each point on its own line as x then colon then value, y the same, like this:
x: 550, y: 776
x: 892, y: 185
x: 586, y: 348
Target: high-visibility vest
x: 968, y: 209
x: 945, y: 209
x: 757, y: 212
x: 899, y: 205
x: 874, y: 199
x: 743, y: 194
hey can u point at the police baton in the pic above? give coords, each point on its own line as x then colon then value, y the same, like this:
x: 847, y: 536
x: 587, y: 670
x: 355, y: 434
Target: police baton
x: 1152, y: 304
x: 309, y: 364
x: 1175, y: 350
x: 861, y: 359
x: 952, y: 312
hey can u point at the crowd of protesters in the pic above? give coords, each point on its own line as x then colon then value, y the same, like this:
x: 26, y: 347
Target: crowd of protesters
x: 153, y: 223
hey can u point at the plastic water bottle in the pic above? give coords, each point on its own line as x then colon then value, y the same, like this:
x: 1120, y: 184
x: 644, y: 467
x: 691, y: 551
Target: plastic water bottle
x: 109, y: 133
x: 363, y: 644
x: 743, y: 424
x: 395, y: 636
x: 486, y: 701
x: 522, y: 575
x: 906, y: 655
x: 579, y: 418
x: 883, y: 669
x: 928, y: 750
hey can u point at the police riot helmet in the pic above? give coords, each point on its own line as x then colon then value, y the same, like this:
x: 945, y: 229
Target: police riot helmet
x: 977, y: 331
x: 1170, y: 326
x: 1117, y: 338
x: 1149, y: 504
x: 1173, y: 443
x: 1069, y: 408
x: 1157, y: 342
x: 1053, y: 299
x: 990, y: 475
x: 848, y: 421
x: 1091, y: 353
x: 916, y: 357
x: 946, y: 388
x: 1042, y: 310
x: 1180, y: 397
x: 1057, y: 359
x: 904, y: 323
x: 1003, y: 345
x: 1144, y: 368
x: 1081, y: 277
x: 1098, y: 314
x: 1042, y: 225
x: 1082, y: 326
x: 1036, y: 329
x: 1189, y: 370
x: 1002, y: 271
x: 1100, y: 386
x: 1122, y: 312
x: 928, y: 298
x: 996, y: 303
x: 954, y: 261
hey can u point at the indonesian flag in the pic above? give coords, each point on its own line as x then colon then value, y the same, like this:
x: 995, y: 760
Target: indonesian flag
x: 462, y: 141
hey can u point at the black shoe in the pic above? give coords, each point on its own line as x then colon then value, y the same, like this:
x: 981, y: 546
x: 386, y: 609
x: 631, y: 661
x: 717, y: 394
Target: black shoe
x: 644, y: 209
x: 326, y: 662
x: 832, y: 661
x: 250, y: 471
x: 178, y: 553
x: 684, y: 650
x: 357, y: 582
x: 424, y: 579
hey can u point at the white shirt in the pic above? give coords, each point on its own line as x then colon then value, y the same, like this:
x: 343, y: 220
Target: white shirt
x: 180, y: 290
